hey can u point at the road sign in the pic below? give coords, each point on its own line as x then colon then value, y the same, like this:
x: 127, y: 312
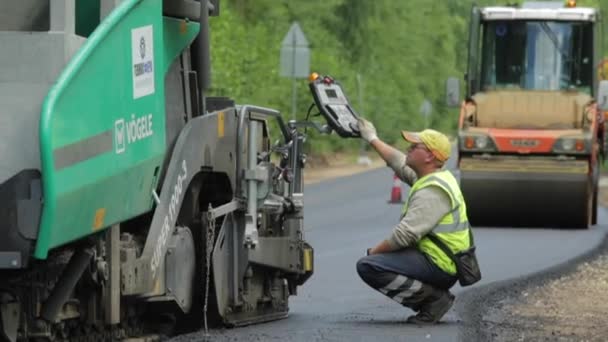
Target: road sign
x: 295, y: 54
x: 425, y: 109
x: 452, y: 92
x: 295, y: 59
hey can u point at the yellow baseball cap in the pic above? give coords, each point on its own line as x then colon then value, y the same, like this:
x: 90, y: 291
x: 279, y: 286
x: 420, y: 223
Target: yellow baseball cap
x: 435, y: 141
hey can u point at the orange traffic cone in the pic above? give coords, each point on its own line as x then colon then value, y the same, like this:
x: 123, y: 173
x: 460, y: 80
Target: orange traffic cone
x: 396, y: 191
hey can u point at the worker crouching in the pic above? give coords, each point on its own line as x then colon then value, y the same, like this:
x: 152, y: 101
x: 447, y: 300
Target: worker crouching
x: 409, y: 267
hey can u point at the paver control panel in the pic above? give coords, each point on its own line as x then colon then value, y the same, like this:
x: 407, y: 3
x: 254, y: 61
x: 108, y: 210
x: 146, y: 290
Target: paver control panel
x: 333, y: 104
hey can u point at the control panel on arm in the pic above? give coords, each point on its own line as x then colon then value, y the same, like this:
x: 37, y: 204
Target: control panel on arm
x: 334, y: 106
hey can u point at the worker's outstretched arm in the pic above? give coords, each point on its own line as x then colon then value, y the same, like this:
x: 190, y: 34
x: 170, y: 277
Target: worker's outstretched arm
x: 390, y: 154
x: 394, y: 158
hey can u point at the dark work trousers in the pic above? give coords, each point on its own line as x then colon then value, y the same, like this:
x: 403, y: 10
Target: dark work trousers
x: 406, y: 276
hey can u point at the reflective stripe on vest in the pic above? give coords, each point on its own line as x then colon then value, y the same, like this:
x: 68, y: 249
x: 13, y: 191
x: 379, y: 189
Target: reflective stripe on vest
x: 453, y: 228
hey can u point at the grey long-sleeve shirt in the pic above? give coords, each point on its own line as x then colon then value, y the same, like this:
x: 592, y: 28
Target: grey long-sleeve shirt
x: 426, y: 207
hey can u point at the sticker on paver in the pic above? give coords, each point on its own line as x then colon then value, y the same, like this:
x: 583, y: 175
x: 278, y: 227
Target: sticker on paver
x: 142, y: 59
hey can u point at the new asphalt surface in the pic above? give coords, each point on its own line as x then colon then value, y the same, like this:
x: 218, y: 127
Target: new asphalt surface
x: 345, y: 216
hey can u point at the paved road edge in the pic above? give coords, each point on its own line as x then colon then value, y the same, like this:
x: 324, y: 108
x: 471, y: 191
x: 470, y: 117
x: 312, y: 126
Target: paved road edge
x: 471, y: 305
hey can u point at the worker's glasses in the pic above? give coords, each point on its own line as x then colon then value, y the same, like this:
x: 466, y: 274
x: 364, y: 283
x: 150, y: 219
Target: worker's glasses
x: 415, y: 146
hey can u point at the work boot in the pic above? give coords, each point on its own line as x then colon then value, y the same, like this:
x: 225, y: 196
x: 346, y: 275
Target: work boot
x: 431, y: 313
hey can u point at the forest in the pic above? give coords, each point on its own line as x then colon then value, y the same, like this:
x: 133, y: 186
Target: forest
x: 390, y: 56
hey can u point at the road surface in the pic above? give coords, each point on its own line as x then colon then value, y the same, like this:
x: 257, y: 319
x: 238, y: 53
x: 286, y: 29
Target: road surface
x: 345, y: 216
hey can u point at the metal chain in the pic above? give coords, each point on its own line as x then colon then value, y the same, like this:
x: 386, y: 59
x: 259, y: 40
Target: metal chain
x: 209, y: 247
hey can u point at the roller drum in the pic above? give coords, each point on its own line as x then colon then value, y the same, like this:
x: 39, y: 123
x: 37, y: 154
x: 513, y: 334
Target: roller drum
x: 558, y: 196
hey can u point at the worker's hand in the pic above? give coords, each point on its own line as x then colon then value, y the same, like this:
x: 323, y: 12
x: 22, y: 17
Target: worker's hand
x: 367, y: 130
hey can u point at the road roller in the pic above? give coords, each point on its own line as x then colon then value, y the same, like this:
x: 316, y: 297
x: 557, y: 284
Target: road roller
x: 530, y: 132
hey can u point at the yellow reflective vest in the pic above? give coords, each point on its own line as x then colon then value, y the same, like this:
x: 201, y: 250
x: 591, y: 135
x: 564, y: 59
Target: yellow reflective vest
x: 453, y: 228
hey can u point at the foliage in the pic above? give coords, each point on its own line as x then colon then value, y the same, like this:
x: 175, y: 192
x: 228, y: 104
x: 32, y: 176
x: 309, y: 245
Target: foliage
x: 389, y: 55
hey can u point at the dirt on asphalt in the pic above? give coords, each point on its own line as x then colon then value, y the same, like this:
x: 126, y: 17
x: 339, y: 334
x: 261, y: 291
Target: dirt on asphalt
x: 322, y: 168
